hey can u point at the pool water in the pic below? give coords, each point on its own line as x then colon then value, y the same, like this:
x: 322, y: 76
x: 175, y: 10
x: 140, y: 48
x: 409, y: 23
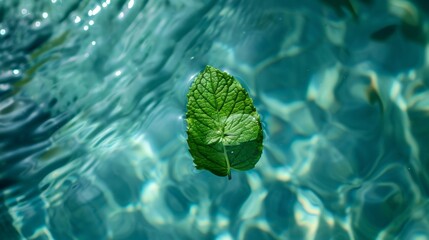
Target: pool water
x: 93, y: 135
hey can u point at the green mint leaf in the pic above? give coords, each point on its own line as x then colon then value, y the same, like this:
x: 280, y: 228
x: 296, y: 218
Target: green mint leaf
x: 224, y: 129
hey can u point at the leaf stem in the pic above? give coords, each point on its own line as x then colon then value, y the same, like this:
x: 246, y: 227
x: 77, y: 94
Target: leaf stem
x: 228, y: 165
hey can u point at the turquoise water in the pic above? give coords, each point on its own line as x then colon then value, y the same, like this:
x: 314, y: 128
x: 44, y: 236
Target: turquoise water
x: 93, y: 138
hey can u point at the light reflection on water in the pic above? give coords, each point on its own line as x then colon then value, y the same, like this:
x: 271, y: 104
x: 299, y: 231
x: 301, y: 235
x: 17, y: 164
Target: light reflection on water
x: 92, y: 130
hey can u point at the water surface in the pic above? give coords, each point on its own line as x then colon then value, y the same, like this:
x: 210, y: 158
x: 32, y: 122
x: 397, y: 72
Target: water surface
x: 93, y: 138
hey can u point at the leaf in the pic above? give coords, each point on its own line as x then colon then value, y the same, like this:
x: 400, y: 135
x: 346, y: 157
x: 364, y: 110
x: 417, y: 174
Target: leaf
x: 224, y: 129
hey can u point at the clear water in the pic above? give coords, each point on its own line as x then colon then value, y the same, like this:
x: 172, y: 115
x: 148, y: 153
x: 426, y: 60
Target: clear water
x: 92, y: 135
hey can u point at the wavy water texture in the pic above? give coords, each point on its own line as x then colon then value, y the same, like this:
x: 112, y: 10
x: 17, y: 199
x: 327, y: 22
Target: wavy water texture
x: 92, y: 135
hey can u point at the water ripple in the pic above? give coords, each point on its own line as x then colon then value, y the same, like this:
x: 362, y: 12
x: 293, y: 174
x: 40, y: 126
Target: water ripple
x: 92, y: 131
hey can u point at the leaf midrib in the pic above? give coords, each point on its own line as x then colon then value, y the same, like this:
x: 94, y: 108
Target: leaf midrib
x: 222, y: 125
